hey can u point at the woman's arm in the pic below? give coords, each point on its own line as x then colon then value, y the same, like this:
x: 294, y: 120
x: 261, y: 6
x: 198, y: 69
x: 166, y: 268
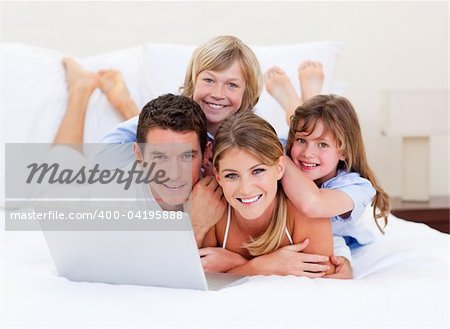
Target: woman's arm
x: 311, y: 200
x: 218, y: 259
x: 288, y: 260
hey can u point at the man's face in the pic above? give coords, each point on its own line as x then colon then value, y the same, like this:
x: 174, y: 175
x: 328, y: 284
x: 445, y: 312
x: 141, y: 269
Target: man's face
x: 179, y: 155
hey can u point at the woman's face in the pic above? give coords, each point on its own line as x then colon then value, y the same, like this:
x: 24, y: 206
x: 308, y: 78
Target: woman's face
x: 248, y: 184
x: 219, y: 94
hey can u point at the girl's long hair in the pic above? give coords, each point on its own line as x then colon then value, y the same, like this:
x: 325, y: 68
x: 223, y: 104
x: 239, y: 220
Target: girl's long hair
x: 251, y: 133
x: 340, y: 119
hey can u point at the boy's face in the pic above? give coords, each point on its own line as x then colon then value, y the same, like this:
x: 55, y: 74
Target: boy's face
x: 219, y: 94
x: 179, y: 155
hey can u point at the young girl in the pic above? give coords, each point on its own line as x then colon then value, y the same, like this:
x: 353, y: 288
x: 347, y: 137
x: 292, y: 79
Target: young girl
x: 261, y: 225
x: 329, y: 175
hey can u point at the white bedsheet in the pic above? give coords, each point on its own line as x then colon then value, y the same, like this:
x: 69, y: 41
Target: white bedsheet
x: 401, y: 280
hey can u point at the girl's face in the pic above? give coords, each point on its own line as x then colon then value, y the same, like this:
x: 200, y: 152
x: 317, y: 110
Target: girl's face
x: 219, y: 94
x: 249, y: 185
x: 316, y: 154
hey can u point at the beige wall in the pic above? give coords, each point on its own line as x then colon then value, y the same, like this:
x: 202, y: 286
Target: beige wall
x: 388, y: 46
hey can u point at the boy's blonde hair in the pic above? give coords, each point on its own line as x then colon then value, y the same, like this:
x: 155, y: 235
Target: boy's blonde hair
x: 251, y: 133
x: 341, y: 121
x: 218, y: 54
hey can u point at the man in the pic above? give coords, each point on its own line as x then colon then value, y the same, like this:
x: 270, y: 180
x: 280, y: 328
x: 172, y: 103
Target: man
x: 172, y: 135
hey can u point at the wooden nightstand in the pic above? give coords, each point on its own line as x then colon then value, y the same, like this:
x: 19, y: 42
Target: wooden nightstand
x: 435, y: 213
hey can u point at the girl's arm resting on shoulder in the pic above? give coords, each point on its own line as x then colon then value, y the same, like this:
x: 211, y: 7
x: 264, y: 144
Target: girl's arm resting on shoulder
x: 311, y: 200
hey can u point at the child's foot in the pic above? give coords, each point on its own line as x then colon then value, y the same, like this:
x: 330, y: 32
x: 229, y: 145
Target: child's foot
x: 78, y: 80
x: 113, y: 86
x: 280, y: 87
x: 310, y: 75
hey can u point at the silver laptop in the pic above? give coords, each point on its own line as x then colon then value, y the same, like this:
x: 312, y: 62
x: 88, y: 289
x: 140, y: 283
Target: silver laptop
x: 151, y: 258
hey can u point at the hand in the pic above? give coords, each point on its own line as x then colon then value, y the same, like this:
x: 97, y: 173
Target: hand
x: 219, y: 259
x: 207, y: 206
x: 343, y: 268
x: 290, y: 260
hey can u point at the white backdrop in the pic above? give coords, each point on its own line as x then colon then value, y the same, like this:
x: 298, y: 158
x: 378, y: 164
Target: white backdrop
x: 387, y: 46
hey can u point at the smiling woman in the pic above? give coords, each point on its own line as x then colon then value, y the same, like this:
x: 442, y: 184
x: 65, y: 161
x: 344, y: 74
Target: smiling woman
x: 262, y: 233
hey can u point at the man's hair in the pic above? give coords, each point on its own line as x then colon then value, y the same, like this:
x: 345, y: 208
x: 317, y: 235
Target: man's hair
x: 174, y: 112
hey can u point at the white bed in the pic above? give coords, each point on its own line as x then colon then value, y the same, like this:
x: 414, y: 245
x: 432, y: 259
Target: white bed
x: 400, y: 281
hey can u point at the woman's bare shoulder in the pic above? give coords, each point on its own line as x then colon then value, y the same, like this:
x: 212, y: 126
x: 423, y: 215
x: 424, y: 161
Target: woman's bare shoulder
x: 303, y: 225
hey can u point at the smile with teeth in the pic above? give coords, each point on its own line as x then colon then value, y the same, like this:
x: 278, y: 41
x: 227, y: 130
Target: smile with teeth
x: 174, y: 186
x: 215, y: 106
x: 309, y: 165
x: 250, y: 200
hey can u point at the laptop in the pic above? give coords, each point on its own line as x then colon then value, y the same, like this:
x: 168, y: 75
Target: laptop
x: 150, y: 258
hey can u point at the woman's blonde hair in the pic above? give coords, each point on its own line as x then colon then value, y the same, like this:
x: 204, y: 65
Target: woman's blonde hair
x: 218, y: 54
x: 341, y: 121
x: 253, y: 134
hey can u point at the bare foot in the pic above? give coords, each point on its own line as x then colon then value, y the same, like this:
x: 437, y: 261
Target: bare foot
x: 113, y: 86
x: 310, y: 74
x: 78, y: 80
x: 280, y: 87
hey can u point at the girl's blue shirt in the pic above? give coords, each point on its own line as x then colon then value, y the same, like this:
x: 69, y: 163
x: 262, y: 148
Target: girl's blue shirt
x: 358, y: 227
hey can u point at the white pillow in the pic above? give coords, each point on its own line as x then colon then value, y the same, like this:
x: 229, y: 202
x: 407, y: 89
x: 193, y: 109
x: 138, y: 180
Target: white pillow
x: 32, y: 95
x: 34, y: 91
x: 164, y: 67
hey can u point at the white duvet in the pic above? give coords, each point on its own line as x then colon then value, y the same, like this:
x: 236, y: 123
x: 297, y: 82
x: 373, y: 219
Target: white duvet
x: 400, y: 281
